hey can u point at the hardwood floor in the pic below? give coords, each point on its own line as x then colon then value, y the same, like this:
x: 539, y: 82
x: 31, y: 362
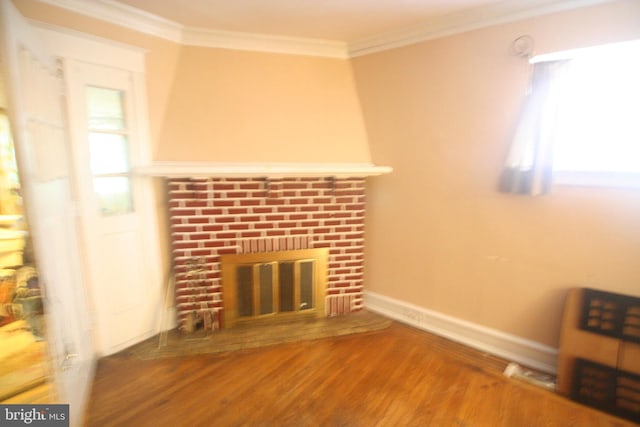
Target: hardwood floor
x: 397, y: 376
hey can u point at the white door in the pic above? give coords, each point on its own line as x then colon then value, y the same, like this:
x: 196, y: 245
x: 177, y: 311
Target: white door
x: 32, y: 89
x: 118, y: 221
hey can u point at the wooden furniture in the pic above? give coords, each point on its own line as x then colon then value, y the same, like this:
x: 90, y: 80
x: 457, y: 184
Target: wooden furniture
x: 599, y: 357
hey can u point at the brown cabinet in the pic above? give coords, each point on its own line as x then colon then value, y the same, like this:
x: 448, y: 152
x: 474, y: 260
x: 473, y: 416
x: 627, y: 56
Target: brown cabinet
x: 599, y: 357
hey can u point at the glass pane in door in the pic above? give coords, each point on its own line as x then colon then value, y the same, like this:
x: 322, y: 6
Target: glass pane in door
x: 108, y: 153
x: 108, y: 148
x: 105, y: 106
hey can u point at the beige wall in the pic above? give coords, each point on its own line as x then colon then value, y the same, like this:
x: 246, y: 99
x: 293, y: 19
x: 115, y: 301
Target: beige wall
x: 209, y: 104
x: 439, y: 235
x: 237, y: 106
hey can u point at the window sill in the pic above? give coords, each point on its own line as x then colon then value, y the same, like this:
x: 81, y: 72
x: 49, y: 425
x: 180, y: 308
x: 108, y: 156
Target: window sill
x: 597, y: 179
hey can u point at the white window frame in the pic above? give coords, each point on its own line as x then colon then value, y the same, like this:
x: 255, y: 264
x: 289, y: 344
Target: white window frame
x: 604, y: 179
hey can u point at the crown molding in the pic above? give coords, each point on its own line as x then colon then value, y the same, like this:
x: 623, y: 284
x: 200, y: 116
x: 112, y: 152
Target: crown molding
x: 134, y: 19
x: 467, y: 20
x: 124, y: 16
x: 471, y: 19
x: 264, y: 43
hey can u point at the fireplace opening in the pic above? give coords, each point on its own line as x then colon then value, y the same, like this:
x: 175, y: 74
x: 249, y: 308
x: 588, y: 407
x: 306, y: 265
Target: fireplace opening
x: 272, y: 286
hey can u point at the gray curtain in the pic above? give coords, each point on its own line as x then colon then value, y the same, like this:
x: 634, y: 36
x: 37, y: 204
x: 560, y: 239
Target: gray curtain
x: 528, y: 168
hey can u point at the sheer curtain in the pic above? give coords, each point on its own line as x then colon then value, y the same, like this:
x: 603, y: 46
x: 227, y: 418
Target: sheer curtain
x: 528, y: 167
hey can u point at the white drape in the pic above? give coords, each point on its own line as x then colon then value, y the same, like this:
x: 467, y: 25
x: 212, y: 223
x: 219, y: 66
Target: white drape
x: 528, y: 166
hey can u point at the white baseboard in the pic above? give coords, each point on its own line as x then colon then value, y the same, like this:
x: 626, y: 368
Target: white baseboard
x: 510, y: 347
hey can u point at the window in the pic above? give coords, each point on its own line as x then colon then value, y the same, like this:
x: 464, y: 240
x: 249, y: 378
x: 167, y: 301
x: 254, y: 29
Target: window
x: 597, y: 138
x: 108, y: 150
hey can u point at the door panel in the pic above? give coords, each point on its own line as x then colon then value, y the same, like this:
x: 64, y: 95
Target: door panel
x: 123, y: 295
x: 33, y: 88
x: 122, y: 258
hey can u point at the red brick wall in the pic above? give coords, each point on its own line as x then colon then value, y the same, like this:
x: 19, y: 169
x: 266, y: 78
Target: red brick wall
x: 216, y: 216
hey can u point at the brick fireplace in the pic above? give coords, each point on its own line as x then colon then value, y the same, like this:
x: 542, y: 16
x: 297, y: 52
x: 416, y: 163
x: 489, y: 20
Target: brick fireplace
x: 211, y: 217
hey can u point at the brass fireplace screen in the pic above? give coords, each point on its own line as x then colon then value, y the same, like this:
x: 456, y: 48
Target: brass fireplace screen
x: 273, y: 285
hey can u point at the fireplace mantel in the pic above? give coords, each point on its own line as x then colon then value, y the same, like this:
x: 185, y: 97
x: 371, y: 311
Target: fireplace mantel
x: 171, y: 169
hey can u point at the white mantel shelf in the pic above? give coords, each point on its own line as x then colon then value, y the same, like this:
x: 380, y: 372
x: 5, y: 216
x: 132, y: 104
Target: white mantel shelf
x: 259, y: 170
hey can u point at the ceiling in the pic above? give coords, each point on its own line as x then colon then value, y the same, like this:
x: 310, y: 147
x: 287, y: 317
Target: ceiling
x: 340, y: 20
x: 331, y: 28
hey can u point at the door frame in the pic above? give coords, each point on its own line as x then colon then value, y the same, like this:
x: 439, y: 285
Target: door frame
x: 79, y: 48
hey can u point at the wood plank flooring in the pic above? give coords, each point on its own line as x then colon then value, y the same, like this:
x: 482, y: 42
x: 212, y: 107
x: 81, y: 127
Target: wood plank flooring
x: 397, y: 376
